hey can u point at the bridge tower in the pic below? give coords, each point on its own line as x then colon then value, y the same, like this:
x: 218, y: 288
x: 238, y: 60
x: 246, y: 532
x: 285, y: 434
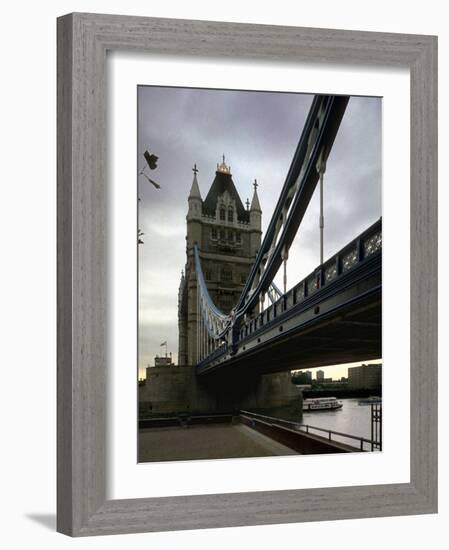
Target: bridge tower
x: 228, y: 236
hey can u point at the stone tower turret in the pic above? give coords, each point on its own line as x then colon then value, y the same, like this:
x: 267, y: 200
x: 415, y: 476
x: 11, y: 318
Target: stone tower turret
x: 182, y: 358
x: 228, y: 237
x: 255, y: 218
x: 194, y: 212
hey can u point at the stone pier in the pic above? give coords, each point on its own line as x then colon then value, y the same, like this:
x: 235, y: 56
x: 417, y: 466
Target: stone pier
x: 177, y: 390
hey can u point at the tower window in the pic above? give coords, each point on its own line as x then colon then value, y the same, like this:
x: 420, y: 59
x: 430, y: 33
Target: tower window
x: 222, y: 234
x: 238, y: 237
x: 231, y: 236
x: 222, y: 214
x: 213, y: 233
x: 230, y: 215
x: 226, y: 274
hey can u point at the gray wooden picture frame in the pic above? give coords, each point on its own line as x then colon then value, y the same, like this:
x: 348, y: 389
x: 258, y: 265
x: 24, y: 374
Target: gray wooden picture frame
x: 83, y: 40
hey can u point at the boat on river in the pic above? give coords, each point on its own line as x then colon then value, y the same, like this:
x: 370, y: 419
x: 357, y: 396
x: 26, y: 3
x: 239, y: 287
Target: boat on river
x: 321, y: 404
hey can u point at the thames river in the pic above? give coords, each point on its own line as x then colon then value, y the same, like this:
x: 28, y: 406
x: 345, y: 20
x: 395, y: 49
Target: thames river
x: 352, y: 418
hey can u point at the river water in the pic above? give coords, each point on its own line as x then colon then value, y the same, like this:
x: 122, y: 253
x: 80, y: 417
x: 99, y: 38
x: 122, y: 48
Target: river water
x: 352, y: 418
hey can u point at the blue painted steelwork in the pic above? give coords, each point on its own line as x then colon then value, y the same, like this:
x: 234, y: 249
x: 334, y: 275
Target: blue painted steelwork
x: 302, y: 297
x: 217, y: 323
x: 227, y: 331
x: 316, y: 141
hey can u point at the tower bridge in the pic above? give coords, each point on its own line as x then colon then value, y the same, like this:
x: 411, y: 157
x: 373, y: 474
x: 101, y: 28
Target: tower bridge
x: 332, y: 316
x: 239, y: 334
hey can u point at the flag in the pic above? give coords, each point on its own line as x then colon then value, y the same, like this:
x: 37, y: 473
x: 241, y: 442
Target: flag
x: 164, y: 344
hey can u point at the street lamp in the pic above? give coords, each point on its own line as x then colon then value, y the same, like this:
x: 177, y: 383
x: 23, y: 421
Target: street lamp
x: 151, y: 162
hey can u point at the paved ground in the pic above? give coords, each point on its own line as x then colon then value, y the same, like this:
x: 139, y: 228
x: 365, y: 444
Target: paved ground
x: 206, y: 442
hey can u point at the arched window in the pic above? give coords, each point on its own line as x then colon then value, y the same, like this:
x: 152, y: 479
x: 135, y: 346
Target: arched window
x: 226, y: 274
x: 222, y: 214
x: 230, y: 215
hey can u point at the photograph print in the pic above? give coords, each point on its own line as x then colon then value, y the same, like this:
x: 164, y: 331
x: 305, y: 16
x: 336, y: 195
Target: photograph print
x: 259, y: 274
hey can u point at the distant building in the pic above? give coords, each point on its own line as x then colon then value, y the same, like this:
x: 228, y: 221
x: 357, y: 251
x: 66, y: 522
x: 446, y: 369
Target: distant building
x: 165, y: 361
x: 320, y: 375
x: 365, y: 377
x: 302, y: 378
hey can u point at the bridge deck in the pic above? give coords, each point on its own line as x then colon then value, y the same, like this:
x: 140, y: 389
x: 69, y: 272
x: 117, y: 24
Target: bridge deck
x: 332, y: 316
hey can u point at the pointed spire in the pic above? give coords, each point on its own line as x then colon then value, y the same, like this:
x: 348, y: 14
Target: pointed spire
x: 182, y: 280
x: 195, y: 189
x: 255, y: 204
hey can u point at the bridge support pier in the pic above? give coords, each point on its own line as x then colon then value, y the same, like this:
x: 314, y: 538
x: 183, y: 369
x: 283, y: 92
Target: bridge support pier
x: 178, y: 390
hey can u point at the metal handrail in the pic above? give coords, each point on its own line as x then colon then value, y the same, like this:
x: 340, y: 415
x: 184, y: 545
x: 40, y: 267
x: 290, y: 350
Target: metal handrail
x: 373, y: 230
x: 362, y: 440
x: 299, y: 427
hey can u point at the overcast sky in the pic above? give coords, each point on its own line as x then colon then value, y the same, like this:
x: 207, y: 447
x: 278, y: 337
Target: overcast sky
x: 258, y: 133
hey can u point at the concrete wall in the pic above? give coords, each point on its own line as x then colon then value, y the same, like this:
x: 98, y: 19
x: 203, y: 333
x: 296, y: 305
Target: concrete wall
x: 303, y: 443
x: 171, y: 390
x: 176, y: 389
